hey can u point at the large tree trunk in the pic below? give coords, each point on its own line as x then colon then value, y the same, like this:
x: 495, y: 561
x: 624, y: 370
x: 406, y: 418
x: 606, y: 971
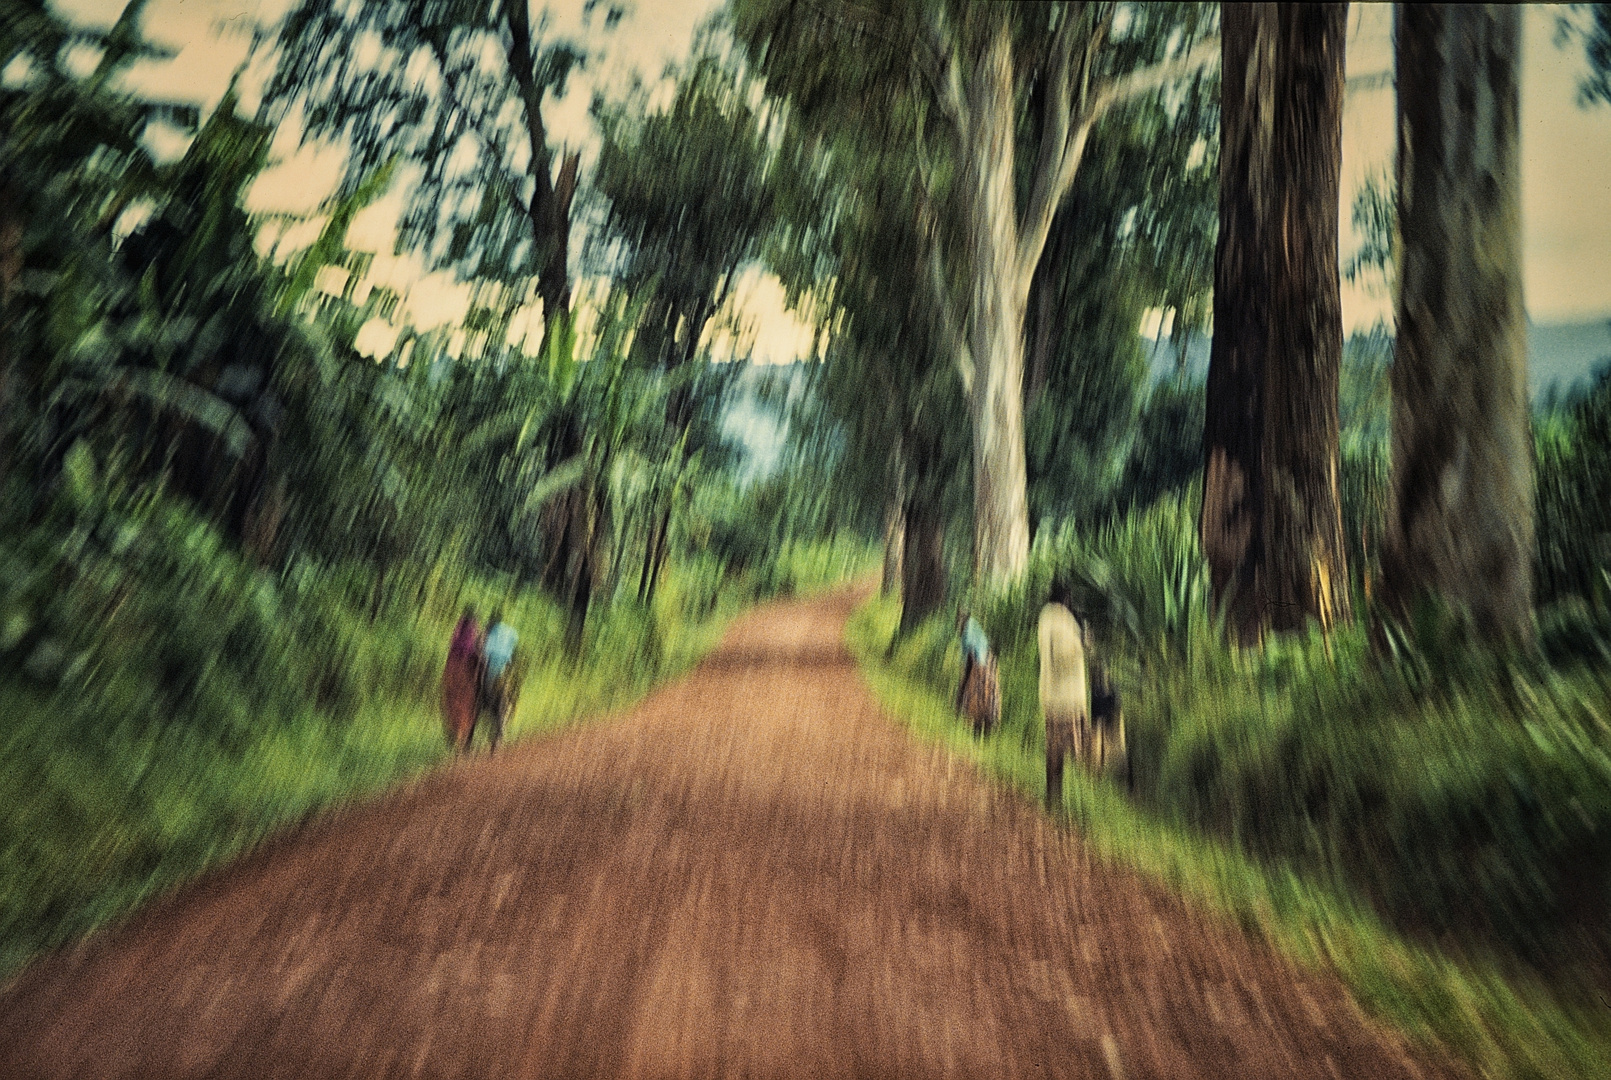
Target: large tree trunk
x: 1461, y: 524
x: 1272, y: 513
x: 923, y: 564
x: 996, y: 322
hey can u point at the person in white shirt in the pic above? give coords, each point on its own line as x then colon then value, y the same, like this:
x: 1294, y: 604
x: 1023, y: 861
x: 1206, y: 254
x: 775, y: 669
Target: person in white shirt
x: 1064, y: 696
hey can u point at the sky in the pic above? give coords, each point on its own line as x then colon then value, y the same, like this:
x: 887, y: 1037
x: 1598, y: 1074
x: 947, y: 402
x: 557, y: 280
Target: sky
x: 1566, y: 175
x: 1566, y: 168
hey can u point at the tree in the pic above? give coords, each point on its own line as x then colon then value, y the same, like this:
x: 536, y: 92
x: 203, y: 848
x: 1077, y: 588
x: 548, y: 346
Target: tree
x: 886, y: 390
x: 71, y: 162
x: 688, y: 191
x: 1461, y: 522
x: 458, y: 89
x: 1596, y: 39
x: 968, y: 72
x: 1136, y: 231
x: 1272, y: 517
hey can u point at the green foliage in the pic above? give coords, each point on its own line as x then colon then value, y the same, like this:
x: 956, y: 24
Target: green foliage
x: 1140, y: 578
x: 1572, y: 455
x: 1472, y: 804
x: 1375, y: 218
x: 689, y: 196
x: 457, y: 89
x: 1166, y: 454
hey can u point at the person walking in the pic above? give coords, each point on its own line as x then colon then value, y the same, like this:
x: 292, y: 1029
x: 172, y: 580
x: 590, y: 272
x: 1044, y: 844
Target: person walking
x: 1063, y: 691
x: 975, y: 650
x: 498, y: 678
x: 461, y: 681
x: 978, y: 693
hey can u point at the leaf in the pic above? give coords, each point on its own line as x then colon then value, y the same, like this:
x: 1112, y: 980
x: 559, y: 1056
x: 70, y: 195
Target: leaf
x: 79, y: 469
x: 561, y: 478
x: 169, y: 392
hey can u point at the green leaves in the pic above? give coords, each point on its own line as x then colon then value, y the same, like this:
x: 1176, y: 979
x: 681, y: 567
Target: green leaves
x: 562, y: 478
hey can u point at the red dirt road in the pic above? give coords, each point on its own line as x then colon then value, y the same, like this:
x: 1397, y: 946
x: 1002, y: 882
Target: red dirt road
x: 754, y: 874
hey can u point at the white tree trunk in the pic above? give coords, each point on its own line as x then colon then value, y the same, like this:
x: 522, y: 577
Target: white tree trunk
x: 895, y: 530
x: 996, y: 323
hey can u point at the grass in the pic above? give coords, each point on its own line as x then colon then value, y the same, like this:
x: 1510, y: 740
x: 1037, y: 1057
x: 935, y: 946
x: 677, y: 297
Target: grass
x: 1503, y: 1028
x: 101, y: 813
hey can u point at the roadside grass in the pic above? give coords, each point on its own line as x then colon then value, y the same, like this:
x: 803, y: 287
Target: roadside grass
x: 1505, y: 1028
x: 103, y: 809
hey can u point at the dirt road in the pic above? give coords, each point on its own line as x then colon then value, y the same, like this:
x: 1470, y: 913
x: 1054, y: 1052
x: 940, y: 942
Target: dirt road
x: 752, y: 874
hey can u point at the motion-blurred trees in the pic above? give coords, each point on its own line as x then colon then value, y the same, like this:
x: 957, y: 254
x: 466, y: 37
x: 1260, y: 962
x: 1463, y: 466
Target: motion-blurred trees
x: 1272, y: 515
x: 689, y: 191
x: 989, y: 186
x: 1595, y: 35
x: 886, y: 401
x: 71, y: 162
x: 1136, y: 231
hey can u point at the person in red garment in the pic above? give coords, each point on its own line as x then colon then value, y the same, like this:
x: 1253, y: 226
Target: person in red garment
x: 461, y: 681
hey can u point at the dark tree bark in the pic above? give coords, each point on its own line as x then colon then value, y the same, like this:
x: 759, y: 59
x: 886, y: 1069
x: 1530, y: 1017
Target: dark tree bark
x: 550, y: 206
x: 1043, y: 308
x: 1461, y: 522
x: 10, y: 270
x: 922, y: 564
x: 1272, y: 513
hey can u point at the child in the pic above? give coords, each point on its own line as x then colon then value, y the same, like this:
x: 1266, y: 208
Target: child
x: 500, y: 651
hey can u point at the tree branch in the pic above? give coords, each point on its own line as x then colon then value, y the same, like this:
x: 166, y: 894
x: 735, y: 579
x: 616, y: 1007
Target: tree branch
x: 1038, y: 218
x: 1202, y: 55
x: 521, y: 66
x: 471, y: 120
x: 1046, y: 191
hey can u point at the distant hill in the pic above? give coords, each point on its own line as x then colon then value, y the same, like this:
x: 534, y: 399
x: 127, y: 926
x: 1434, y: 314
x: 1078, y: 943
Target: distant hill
x: 1565, y: 354
x: 1558, y: 354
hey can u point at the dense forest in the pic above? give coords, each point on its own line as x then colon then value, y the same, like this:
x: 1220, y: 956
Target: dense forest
x: 1354, y: 591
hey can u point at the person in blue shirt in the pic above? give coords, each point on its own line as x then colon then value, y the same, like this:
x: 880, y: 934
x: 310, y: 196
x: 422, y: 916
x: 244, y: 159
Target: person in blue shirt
x: 499, y: 652
x: 975, y: 649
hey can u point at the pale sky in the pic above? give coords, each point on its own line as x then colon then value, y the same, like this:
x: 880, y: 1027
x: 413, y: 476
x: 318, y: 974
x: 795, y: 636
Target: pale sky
x: 1566, y: 168
x: 1566, y: 177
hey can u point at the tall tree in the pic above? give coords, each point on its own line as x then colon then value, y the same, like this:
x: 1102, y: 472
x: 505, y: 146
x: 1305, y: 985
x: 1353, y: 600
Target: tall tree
x: 459, y: 89
x: 1461, y: 521
x: 1272, y: 516
x: 970, y: 72
x: 688, y: 188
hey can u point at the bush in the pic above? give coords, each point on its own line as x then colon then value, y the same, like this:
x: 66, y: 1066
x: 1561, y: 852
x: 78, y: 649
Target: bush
x: 1573, y: 500
x: 1462, y: 793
